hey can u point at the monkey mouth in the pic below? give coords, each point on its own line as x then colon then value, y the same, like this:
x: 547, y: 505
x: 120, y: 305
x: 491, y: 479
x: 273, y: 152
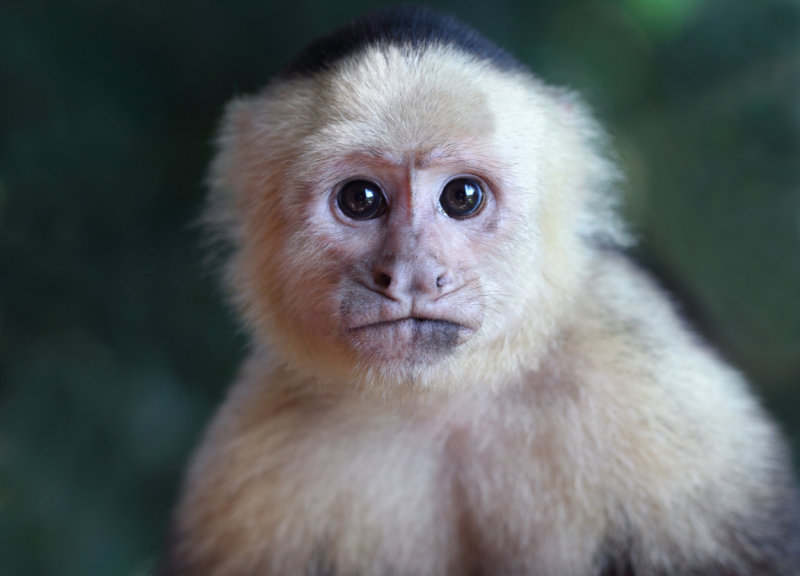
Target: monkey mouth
x: 415, y: 322
x: 409, y: 336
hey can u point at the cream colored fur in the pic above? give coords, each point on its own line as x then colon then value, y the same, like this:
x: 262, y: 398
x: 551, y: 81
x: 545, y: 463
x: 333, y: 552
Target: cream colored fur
x: 580, y: 411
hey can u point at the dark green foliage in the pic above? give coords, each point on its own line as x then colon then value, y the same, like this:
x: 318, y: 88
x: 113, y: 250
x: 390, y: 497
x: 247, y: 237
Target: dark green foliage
x: 114, y: 341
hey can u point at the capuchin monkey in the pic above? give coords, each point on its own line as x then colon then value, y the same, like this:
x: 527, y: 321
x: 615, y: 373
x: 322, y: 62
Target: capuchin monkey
x: 454, y: 369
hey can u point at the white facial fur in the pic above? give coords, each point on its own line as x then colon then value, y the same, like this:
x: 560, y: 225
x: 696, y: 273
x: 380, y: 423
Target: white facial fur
x: 313, y: 281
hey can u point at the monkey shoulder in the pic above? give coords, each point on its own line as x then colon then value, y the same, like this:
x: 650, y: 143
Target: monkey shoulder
x: 695, y: 467
x: 294, y: 481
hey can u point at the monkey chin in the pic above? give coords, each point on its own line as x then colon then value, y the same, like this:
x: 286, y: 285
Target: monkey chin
x: 407, y: 341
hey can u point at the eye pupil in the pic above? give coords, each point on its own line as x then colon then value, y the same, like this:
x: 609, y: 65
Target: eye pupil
x: 461, y: 198
x: 360, y: 200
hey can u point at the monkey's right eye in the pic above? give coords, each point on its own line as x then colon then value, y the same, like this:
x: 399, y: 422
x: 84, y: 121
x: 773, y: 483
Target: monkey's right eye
x: 361, y: 200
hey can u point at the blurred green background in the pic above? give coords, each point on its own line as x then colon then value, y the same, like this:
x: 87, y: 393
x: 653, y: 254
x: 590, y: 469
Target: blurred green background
x: 114, y: 341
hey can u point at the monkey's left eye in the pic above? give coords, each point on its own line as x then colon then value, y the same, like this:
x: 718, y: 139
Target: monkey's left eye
x: 361, y: 200
x: 461, y: 198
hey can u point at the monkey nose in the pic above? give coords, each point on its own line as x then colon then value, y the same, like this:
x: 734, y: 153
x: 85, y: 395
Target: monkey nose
x: 400, y: 281
x: 382, y: 280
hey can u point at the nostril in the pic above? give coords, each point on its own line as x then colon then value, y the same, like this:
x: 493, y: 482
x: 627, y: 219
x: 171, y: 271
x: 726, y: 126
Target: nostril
x: 442, y: 281
x: 383, y: 280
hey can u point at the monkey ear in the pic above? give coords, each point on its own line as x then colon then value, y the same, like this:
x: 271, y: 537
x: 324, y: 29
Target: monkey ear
x: 238, y: 116
x: 603, y: 182
x: 227, y: 174
x: 574, y: 110
x: 570, y: 103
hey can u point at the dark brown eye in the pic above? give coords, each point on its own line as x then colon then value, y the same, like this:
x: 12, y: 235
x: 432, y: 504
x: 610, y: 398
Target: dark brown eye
x: 361, y: 200
x: 461, y: 198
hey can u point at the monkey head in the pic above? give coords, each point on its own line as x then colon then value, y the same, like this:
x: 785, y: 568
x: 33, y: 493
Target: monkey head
x: 407, y: 215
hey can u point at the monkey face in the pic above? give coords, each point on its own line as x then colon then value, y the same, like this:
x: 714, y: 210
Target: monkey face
x: 400, y: 243
x: 412, y: 290
x: 373, y: 227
